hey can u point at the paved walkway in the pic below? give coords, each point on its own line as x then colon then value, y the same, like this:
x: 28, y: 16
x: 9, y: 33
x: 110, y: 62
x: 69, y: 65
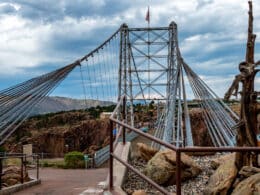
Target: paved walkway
x: 65, y: 181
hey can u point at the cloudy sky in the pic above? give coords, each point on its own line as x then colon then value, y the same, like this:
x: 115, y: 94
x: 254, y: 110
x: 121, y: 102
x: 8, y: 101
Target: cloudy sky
x: 38, y: 36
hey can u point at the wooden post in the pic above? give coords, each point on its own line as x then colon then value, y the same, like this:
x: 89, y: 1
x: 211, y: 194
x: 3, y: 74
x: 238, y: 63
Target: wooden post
x: 37, y: 173
x: 1, y: 172
x: 247, y: 131
x: 22, y: 170
x: 124, y: 117
x: 111, y: 157
x: 178, y: 172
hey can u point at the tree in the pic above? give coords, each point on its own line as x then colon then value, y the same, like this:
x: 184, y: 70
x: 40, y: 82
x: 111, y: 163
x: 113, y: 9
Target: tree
x: 247, y: 126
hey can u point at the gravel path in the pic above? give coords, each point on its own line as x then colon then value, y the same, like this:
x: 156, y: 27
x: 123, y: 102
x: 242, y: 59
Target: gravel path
x: 190, y: 187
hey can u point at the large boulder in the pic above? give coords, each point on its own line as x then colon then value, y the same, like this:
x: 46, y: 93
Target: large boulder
x: 249, y: 186
x: 145, y: 152
x: 245, y: 172
x: 12, y: 176
x: 161, y: 168
x: 248, y: 171
x: 221, y: 181
x: 139, y: 192
x: 222, y: 159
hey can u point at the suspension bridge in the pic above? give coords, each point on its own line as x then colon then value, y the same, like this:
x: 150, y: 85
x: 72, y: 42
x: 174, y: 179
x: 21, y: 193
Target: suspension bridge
x: 132, y: 65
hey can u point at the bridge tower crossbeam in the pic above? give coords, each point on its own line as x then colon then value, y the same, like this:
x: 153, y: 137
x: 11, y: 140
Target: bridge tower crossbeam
x: 150, y: 69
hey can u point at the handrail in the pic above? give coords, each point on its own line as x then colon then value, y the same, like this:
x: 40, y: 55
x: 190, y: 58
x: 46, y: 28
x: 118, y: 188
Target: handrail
x: 23, y: 158
x: 178, y: 151
x: 17, y: 155
x: 144, y: 134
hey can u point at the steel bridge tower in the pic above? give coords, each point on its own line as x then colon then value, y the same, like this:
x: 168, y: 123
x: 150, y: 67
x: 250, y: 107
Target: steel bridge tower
x: 149, y: 69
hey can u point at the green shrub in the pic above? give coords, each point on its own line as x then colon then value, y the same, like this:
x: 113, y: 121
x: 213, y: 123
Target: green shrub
x: 74, y: 160
x: 45, y: 164
x: 53, y: 163
x: 2, y: 149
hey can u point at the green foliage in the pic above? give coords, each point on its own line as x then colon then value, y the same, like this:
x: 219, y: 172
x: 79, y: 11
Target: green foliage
x: 74, y: 160
x: 95, y: 111
x: 2, y: 149
x: 54, y: 164
x: 151, y: 105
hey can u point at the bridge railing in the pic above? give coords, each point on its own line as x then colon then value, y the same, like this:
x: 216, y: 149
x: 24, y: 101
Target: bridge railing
x: 178, y: 151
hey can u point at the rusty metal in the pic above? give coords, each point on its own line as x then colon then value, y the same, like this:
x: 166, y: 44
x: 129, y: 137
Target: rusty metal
x: 37, y: 171
x: 23, y: 158
x: 22, y: 166
x: 220, y: 149
x: 1, y: 172
x: 144, y: 134
x: 25, y: 163
x: 124, y: 117
x: 178, y: 153
x: 111, y: 157
x: 246, y: 135
x: 178, y: 172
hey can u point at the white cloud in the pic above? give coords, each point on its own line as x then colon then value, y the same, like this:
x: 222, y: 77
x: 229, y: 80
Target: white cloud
x: 10, y: 5
x: 206, y: 28
x: 26, y: 44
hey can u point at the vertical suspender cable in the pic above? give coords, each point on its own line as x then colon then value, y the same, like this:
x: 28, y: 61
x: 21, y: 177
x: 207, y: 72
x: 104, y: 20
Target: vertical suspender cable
x: 84, y: 87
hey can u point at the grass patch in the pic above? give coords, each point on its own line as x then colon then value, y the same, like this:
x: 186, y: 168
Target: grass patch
x: 12, y: 162
x: 54, y: 163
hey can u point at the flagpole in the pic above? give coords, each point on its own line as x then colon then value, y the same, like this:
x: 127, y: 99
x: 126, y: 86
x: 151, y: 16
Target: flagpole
x: 149, y: 16
x: 149, y: 75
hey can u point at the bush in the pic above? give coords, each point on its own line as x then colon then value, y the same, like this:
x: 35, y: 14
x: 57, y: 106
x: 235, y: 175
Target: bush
x: 53, y: 163
x: 2, y: 149
x: 74, y: 160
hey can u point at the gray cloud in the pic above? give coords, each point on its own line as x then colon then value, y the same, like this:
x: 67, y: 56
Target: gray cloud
x: 7, y: 9
x: 212, y: 33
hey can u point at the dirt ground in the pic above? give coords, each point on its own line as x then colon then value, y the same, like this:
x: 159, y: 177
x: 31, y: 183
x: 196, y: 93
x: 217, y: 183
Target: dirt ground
x: 65, y: 181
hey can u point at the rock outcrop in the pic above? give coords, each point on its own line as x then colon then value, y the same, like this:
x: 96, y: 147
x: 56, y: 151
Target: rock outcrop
x: 248, y: 171
x: 218, y: 161
x: 12, y: 176
x: 139, y: 192
x: 161, y: 168
x: 221, y: 181
x: 145, y: 152
x: 56, y: 134
x: 249, y: 186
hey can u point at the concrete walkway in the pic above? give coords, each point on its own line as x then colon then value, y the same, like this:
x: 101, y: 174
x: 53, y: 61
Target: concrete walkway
x: 65, y: 181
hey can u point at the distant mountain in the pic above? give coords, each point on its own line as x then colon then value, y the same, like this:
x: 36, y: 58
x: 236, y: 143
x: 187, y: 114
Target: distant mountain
x: 57, y: 104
